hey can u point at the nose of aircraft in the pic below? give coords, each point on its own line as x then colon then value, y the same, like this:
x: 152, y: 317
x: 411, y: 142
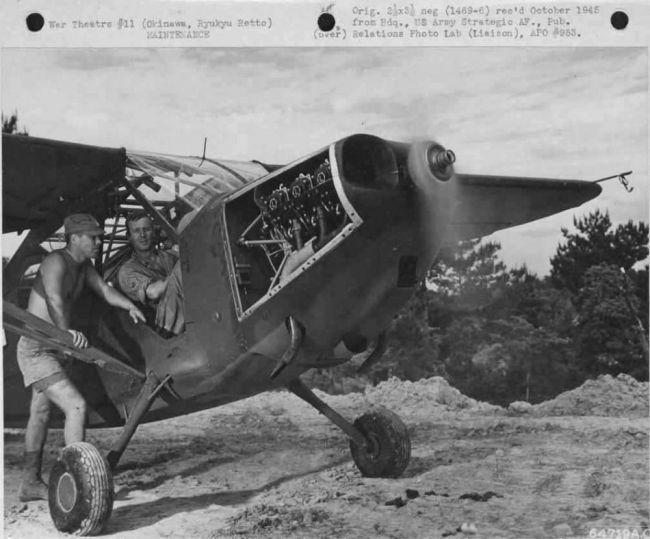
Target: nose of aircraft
x: 396, y: 184
x: 430, y: 168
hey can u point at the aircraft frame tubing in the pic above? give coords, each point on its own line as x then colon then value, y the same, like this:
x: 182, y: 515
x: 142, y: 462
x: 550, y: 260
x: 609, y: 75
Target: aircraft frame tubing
x: 298, y: 388
x: 297, y: 336
x: 152, y: 386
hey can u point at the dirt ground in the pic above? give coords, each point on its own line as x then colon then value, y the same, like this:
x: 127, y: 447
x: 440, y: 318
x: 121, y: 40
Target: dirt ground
x: 271, y: 466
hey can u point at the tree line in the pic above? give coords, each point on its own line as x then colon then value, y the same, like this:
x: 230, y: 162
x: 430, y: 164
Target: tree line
x: 501, y: 334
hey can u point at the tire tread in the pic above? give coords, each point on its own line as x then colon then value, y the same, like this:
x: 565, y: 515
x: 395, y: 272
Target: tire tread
x: 95, y: 483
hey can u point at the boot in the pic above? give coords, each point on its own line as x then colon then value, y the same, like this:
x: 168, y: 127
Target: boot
x: 32, y: 486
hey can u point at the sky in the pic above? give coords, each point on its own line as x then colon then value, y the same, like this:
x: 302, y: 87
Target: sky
x: 577, y: 113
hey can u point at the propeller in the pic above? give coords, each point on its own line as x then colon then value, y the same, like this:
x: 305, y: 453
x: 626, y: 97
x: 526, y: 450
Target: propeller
x: 430, y: 167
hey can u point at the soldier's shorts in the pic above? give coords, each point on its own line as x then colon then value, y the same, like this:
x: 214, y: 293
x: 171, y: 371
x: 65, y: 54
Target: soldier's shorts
x: 39, y: 364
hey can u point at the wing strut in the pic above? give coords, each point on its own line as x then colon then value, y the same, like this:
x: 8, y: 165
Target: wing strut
x: 26, y: 324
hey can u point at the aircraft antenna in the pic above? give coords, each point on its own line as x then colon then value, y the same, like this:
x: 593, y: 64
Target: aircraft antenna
x: 205, y: 143
x: 622, y: 177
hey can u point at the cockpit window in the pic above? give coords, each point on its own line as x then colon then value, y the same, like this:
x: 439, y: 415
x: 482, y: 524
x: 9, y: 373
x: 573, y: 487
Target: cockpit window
x: 193, y: 180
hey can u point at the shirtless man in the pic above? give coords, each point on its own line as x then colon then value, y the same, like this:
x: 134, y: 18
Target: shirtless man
x: 59, y: 282
x: 152, y: 276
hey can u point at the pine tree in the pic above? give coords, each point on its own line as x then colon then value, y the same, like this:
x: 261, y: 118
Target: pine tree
x: 597, y: 242
x: 609, y: 333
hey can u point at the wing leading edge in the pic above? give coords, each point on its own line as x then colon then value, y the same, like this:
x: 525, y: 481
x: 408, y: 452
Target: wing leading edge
x: 490, y: 203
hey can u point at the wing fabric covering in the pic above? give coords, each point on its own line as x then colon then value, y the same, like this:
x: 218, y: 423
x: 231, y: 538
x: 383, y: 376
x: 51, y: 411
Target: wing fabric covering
x: 486, y: 204
x: 215, y: 177
x: 44, y: 180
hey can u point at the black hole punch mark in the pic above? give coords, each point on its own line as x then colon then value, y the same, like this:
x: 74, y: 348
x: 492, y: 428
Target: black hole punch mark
x: 326, y: 22
x: 619, y: 20
x: 35, y: 22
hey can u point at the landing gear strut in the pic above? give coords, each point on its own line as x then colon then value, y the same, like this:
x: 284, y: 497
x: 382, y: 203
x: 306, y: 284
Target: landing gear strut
x: 379, y: 441
x: 80, y: 492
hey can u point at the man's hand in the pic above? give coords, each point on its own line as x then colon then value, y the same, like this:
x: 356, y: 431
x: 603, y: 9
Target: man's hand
x: 78, y: 338
x: 136, y: 315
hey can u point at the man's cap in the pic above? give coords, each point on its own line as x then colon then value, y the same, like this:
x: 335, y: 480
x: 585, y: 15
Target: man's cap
x: 82, y: 223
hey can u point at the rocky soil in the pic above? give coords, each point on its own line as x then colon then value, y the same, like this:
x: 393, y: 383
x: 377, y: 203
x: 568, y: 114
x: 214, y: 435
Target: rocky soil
x: 271, y: 466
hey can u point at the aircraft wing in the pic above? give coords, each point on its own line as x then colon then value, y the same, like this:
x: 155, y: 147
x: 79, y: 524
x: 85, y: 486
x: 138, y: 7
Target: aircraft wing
x: 490, y: 203
x: 44, y: 180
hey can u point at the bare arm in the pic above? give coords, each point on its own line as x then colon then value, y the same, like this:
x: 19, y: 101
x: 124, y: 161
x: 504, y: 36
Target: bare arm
x: 156, y: 289
x: 112, y: 296
x: 52, y: 272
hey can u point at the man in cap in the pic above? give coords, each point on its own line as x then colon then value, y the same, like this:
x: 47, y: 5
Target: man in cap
x: 62, y: 276
x: 152, y: 276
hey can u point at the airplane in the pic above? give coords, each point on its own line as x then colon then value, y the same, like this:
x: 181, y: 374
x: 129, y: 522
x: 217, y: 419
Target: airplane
x: 284, y: 268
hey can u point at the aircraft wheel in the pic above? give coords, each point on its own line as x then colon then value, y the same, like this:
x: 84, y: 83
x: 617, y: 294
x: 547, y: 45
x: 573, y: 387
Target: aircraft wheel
x: 80, y: 492
x: 389, y: 444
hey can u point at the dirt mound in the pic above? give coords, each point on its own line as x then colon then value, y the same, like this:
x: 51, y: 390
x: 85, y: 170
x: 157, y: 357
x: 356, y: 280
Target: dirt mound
x: 425, y: 393
x: 421, y: 399
x: 622, y: 396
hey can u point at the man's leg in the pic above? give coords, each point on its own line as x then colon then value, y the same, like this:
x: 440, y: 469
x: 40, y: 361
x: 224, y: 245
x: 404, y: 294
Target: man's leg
x: 32, y: 486
x: 67, y: 397
x: 39, y: 416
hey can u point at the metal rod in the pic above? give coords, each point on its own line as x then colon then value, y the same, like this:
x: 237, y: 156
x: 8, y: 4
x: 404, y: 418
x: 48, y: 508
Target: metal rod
x: 278, y: 272
x: 171, y: 231
x: 249, y: 227
x: 147, y: 395
x: 248, y: 243
x: 297, y: 336
x: 112, y: 240
x: 205, y: 144
x: 623, y: 174
x: 299, y: 389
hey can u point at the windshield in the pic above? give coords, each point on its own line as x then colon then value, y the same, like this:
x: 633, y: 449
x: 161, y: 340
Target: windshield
x: 193, y: 180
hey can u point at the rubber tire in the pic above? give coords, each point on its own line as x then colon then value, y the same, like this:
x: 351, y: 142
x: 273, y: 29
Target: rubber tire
x: 88, y: 510
x: 390, y: 444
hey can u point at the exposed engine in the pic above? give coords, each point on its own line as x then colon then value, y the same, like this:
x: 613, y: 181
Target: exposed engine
x: 277, y: 226
x: 301, y: 208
